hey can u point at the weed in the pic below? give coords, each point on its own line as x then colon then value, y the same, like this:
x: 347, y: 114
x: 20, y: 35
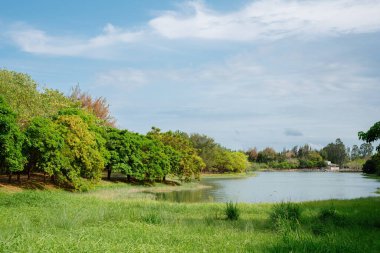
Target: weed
x: 285, y: 211
x: 232, y: 211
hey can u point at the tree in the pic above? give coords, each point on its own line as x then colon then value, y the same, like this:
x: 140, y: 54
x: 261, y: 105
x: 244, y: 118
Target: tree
x: 252, y: 154
x: 335, y: 152
x: 11, y: 141
x: 355, y: 152
x: 98, y: 106
x: 371, y: 135
x: 190, y: 163
x: 84, y: 148
x: 24, y: 96
x: 366, y: 150
x: 206, y: 147
x: 44, y: 147
x: 312, y: 160
x: 372, y: 166
x: 267, y: 155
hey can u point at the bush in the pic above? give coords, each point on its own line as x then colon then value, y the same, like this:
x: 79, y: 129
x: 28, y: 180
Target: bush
x: 232, y: 211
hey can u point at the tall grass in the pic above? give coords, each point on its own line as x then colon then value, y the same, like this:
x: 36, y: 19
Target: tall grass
x: 232, y: 212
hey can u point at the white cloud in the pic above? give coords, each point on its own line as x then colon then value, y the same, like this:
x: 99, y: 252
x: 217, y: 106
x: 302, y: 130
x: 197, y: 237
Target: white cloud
x: 122, y: 79
x: 271, y: 19
x: 39, y: 42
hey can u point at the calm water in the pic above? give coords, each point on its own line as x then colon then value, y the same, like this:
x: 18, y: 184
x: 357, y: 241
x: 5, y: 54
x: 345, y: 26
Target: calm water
x: 280, y: 186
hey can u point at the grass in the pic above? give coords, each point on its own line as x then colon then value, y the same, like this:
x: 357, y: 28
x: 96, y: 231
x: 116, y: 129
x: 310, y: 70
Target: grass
x: 59, y: 221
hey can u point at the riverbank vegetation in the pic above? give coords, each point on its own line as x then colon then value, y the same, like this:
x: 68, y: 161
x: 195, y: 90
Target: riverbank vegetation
x: 73, y: 139
x: 304, y: 157
x: 59, y: 221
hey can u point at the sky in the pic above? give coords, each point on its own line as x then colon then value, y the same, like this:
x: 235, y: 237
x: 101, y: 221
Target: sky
x: 273, y: 73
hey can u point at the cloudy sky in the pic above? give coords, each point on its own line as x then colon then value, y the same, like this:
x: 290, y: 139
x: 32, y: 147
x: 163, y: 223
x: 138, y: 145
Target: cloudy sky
x: 248, y: 73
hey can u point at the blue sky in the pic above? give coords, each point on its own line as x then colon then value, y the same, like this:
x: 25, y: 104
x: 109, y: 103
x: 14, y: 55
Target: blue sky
x: 273, y: 73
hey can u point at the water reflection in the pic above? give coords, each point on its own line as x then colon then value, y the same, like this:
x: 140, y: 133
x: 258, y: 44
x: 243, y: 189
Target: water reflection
x: 279, y: 186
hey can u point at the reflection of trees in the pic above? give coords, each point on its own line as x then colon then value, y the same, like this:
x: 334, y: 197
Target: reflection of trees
x: 185, y: 196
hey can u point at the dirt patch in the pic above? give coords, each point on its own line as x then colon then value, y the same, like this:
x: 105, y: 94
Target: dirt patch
x: 35, y: 182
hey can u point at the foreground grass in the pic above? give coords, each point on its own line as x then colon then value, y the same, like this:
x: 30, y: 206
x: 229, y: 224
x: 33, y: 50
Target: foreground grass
x: 58, y: 221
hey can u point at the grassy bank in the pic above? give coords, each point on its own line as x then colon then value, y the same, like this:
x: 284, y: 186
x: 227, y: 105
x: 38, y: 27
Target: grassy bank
x: 58, y: 221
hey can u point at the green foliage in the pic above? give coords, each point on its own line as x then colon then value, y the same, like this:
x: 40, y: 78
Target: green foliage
x: 232, y: 211
x: 83, y: 148
x: 266, y: 155
x: 335, y: 152
x: 23, y: 96
x: 371, y: 135
x: 44, y: 146
x: 372, y: 166
x: 366, y: 150
x: 11, y: 140
x: 356, y: 164
x: 312, y: 160
x: 190, y: 164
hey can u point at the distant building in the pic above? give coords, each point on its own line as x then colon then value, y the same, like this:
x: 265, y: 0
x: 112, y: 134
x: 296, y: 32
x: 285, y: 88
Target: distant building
x: 331, y: 166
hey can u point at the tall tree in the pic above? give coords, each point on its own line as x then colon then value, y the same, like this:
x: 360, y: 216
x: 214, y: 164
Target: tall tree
x: 355, y: 152
x: 335, y: 152
x: 11, y: 141
x: 366, y: 150
x: 191, y: 164
x: 44, y: 147
x: 373, y: 134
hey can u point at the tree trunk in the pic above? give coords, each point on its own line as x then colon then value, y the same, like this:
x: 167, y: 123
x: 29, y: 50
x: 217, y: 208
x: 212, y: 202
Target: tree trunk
x: 164, y: 178
x: 109, y: 170
x: 53, y: 179
x: 129, y: 178
x: 44, y: 177
x: 18, y: 178
x: 10, y: 177
x: 28, y: 173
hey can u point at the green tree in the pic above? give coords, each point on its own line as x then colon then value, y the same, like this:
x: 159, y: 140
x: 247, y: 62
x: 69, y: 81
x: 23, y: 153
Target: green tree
x: 371, y: 135
x: 190, y: 163
x: 11, y: 141
x: 23, y: 95
x: 312, y: 160
x: 44, y: 147
x: 366, y: 150
x: 372, y: 165
x: 84, y: 148
x: 267, y: 155
x: 335, y: 152
x: 206, y: 147
x: 355, y: 152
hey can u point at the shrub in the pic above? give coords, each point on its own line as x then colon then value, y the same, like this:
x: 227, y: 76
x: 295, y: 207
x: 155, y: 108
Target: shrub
x: 232, y: 211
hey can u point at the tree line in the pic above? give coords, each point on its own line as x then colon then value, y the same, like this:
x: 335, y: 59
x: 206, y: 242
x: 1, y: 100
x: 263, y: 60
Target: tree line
x: 73, y: 140
x: 306, y: 157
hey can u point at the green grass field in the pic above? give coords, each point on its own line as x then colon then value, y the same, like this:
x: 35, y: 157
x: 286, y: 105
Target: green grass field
x: 59, y: 221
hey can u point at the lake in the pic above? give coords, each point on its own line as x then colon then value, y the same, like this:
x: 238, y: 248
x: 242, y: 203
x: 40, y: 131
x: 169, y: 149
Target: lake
x: 279, y: 186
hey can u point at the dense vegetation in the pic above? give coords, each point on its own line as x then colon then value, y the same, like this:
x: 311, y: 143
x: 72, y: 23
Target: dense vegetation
x: 372, y: 166
x: 72, y: 139
x: 56, y: 221
x: 306, y: 157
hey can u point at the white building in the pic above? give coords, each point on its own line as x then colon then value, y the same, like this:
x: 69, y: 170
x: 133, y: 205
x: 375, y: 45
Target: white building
x: 332, y: 167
